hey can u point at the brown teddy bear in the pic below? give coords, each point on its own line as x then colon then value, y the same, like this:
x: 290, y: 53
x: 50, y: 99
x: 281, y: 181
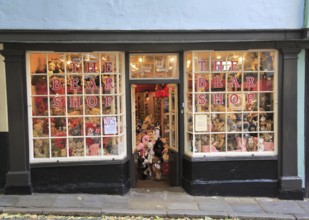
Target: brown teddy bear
x: 156, y: 168
x: 219, y: 141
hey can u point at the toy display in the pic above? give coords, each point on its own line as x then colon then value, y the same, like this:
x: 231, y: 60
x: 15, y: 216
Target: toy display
x: 71, y: 95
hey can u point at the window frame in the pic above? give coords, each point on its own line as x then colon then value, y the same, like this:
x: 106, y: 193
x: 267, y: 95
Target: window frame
x: 189, y: 150
x: 120, y: 95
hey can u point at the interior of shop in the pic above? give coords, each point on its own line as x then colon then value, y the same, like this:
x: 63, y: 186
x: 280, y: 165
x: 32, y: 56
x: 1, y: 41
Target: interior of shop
x: 154, y: 133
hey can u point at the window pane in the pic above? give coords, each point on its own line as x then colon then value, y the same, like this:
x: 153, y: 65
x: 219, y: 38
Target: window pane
x: 230, y: 107
x: 68, y: 104
x: 154, y: 66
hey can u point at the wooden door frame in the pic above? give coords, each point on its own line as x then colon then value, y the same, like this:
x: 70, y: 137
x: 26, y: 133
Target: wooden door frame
x: 179, y: 82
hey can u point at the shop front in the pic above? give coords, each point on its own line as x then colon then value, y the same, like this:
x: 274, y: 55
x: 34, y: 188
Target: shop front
x: 105, y: 117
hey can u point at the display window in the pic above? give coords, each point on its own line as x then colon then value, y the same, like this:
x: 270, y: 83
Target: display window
x: 76, y: 106
x: 154, y: 66
x: 231, y: 103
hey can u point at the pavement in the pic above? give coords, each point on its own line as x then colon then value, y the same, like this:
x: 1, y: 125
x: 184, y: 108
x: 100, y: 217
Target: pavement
x: 168, y: 203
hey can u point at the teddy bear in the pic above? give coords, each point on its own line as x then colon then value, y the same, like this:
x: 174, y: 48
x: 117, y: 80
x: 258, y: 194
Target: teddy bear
x: 37, y: 130
x: 41, y: 148
x: 165, y: 152
x: 156, y: 168
x: 114, y: 150
x: 260, y: 144
x: 219, y: 141
x: 251, y: 146
x: 79, y: 150
x: 218, y: 125
x: 231, y: 142
x: 94, y: 149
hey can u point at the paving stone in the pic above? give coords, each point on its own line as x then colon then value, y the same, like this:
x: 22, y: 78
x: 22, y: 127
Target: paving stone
x: 44, y: 200
x: 196, y: 214
x: 301, y: 216
x: 182, y: 206
x: 8, y: 200
x: 113, y: 205
x: 115, y: 198
x: 177, y: 196
x: 214, y: 205
x: 282, y: 207
x: 68, y: 201
x: 147, y: 204
x: 247, y: 208
x: 259, y: 216
x: 15, y: 210
x: 126, y: 212
x: 145, y: 194
x: 72, y: 211
x: 93, y: 201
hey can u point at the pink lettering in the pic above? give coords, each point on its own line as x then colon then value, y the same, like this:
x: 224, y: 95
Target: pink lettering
x: 74, y: 102
x: 57, y: 102
x: 216, y: 66
x: 234, y: 98
x: 91, y: 67
x: 108, y: 67
x: 202, y: 83
x: 108, y: 100
x: 108, y: 83
x: 234, y: 65
x: 91, y: 84
x: 234, y: 83
x: 56, y: 84
x: 217, y: 82
x: 92, y: 101
x: 250, y: 98
x: 217, y: 99
x: 202, y: 99
x: 73, y: 67
x: 202, y: 64
x: 250, y: 82
x: 74, y: 83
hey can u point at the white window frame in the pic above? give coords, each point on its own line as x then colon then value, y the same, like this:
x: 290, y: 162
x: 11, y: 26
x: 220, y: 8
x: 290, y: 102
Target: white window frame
x: 227, y: 153
x: 121, y: 95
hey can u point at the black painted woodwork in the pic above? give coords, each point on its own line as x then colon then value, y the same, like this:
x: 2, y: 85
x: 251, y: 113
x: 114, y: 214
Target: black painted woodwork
x: 4, y: 140
x: 231, y: 178
x: 109, y: 178
x: 290, y: 184
x: 18, y: 175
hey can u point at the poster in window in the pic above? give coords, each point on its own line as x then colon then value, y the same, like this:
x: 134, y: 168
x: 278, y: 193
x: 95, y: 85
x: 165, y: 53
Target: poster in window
x: 201, y: 123
x: 110, y: 125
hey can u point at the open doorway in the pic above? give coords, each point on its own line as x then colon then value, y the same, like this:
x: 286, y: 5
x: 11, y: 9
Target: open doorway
x: 155, y: 134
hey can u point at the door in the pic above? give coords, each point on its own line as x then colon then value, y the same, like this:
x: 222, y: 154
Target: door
x: 154, y: 110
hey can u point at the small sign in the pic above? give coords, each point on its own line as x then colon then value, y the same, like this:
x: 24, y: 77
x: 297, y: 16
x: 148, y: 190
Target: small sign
x: 110, y: 125
x: 201, y: 123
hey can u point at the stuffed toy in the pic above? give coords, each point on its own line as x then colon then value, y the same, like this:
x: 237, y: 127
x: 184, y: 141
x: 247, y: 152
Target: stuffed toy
x: 165, y: 152
x: 156, y: 168
x: 158, y: 149
x: 37, y: 130
x: 219, y: 141
x: 41, y: 148
x: 51, y: 67
x: 114, y: 150
x: 251, y: 144
x: 94, y: 149
x: 218, y: 125
x: 156, y: 132
x: 231, y: 143
x: 260, y: 144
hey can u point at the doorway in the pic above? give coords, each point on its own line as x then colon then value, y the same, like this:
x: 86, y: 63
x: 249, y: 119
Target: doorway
x: 155, y: 134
